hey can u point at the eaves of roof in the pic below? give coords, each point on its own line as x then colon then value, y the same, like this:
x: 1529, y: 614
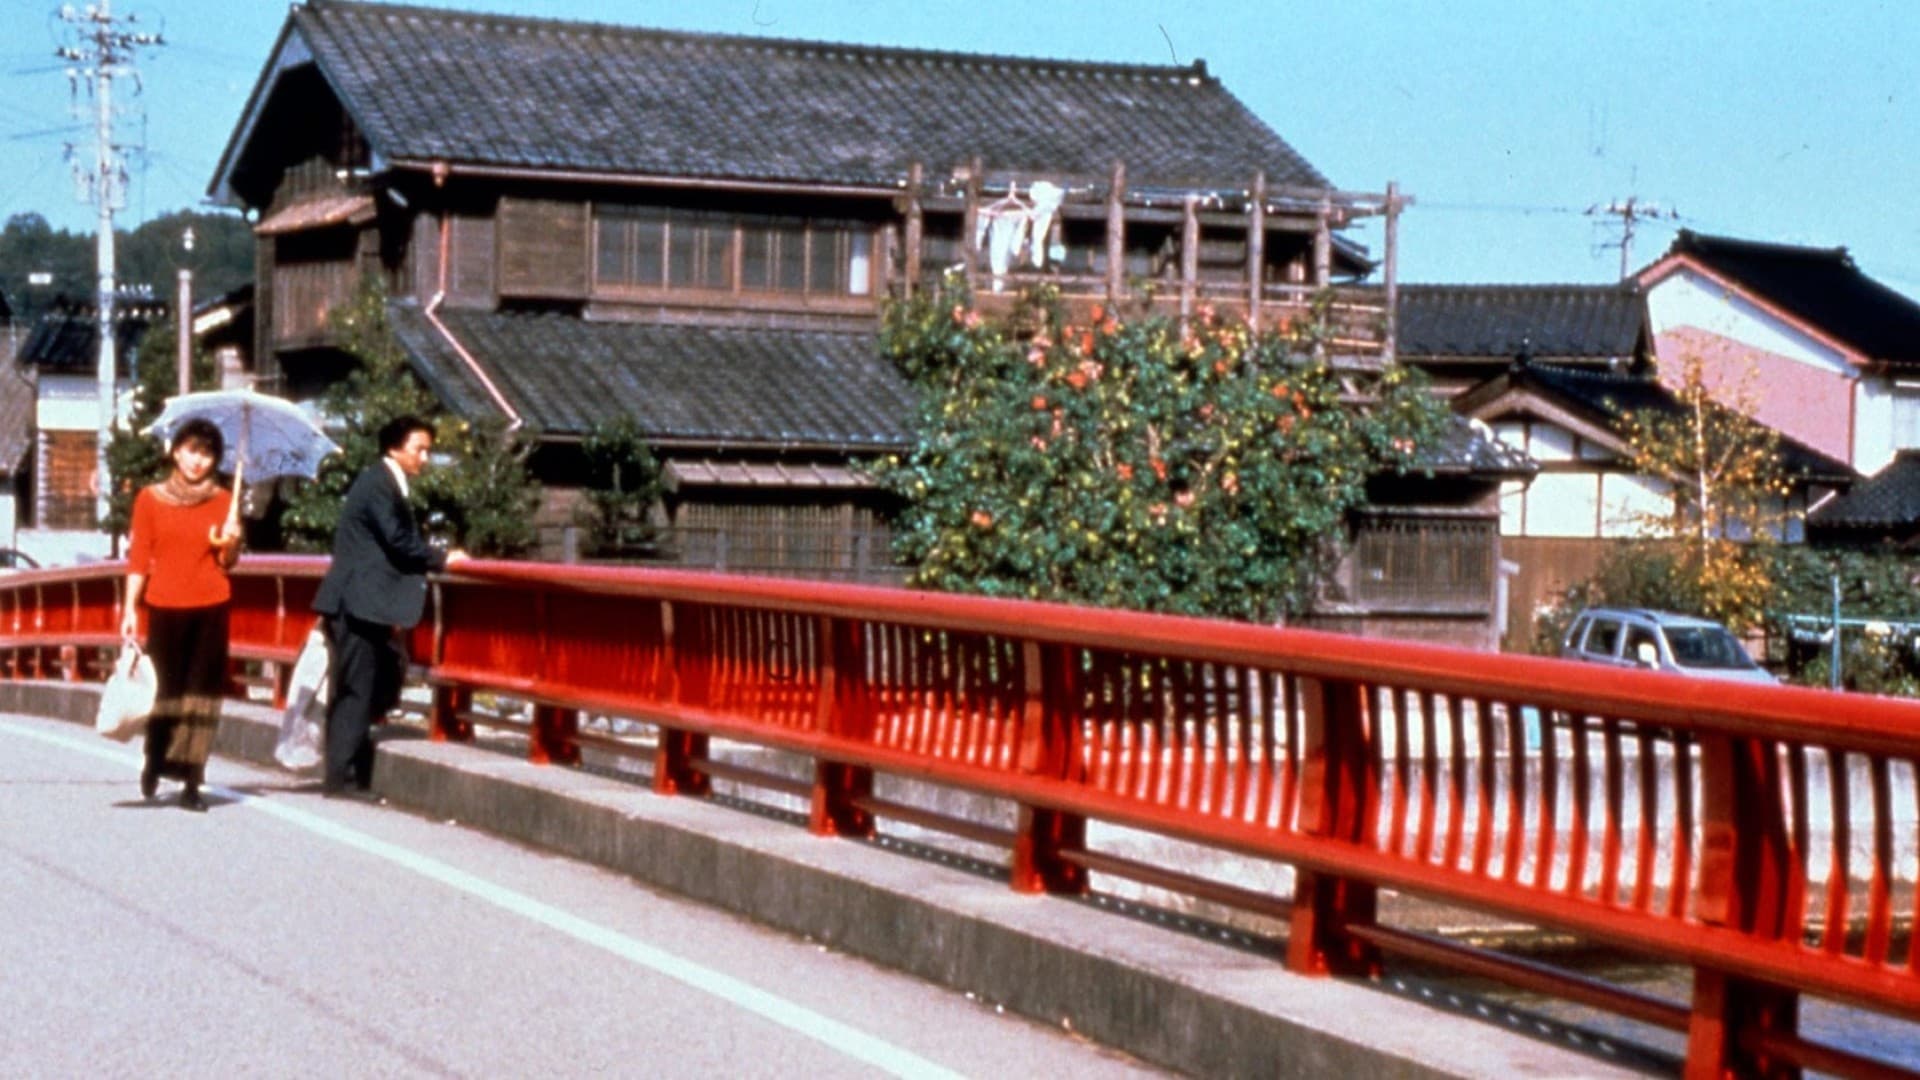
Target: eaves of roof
x: 685, y: 385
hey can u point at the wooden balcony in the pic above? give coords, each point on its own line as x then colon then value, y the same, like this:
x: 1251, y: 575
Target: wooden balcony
x: 1356, y: 317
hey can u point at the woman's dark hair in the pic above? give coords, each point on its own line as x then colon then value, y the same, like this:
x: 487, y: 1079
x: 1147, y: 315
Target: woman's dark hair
x: 202, y: 431
x: 394, y: 433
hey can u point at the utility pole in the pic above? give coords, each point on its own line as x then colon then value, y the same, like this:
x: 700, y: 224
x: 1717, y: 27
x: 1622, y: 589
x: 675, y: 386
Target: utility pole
x: 1629, y: 212
x: 100, y: 49
x: 183, y: 302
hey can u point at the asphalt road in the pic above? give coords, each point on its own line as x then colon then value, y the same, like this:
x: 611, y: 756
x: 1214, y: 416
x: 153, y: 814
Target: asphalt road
x: 282, y: 934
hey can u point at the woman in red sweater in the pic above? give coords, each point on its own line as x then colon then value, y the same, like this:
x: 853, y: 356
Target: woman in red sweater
x: 178, y: 552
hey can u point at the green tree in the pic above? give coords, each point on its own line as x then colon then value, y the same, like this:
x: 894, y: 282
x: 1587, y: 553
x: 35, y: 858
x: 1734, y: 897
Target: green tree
x: 149, y: 255
x: 135, y: 459
x: 480, y: 497
x: 1131, y: 464
x: 1728, y: 495
x: 622, y: 483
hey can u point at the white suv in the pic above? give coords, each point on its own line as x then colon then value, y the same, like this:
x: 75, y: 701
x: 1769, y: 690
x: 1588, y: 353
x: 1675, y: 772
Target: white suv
x: 1660, y: 641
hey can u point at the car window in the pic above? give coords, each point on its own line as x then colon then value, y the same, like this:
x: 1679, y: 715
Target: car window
x: 1604, y: 638
x: 1636, y: 637
x: 1707, y: 647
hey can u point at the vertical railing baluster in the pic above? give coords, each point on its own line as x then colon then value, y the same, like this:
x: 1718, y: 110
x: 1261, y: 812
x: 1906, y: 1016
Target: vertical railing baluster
x: 1614, y: 807
x: 1680, y: 876
x: 1840, y: 831
x: 1645, y: 852
x: 1397, y: 816
x: 1880, y: 885
x: 1581, y: 806
x: 1516, y: 794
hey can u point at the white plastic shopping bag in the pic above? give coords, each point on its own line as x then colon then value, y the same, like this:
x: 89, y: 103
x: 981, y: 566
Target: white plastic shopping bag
x: 127, y: 698
x: 307, y: 695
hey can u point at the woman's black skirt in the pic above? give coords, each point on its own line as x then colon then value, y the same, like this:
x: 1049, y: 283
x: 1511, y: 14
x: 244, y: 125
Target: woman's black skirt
x: 189, y: 651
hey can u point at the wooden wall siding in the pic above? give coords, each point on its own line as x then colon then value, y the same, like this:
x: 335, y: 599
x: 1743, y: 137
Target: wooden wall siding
x: 543, y: 248
x: 304, y: 295
x: 66, y: 479
x: 471, y: 259
x: 841, y: 542
x: 1407, y: 564
x: 1547, y: 566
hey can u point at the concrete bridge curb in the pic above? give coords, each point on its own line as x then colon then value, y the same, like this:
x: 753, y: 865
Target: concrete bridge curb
x: 1195, y: 1006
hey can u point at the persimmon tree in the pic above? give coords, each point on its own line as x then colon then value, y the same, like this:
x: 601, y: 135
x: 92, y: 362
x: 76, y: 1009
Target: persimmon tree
x: 1729, y: 494
x: 1131, y: 464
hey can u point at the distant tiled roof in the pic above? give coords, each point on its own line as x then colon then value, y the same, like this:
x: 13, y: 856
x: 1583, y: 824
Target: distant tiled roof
x: 1465, y: 446
x: 16, y: 417
x: 1820, y: 286
x: 1504, y: 321
x: 67, y: 338
x: 695, y: 385
x: 1889, y: 499
x: 435, y: 85
x: 1609, y: 397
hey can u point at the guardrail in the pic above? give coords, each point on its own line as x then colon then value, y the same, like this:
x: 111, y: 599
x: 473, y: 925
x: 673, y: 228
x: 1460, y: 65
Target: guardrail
x: 1763, y: 836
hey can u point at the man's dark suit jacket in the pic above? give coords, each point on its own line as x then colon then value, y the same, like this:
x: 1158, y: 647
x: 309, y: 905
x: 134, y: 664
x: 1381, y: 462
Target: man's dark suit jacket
x: 380, y: 560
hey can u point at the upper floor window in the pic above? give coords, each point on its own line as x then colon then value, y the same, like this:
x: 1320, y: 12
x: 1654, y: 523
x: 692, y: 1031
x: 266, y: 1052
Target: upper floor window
x: 651, y: 247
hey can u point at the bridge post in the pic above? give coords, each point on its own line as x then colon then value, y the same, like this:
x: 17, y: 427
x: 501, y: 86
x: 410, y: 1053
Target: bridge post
x: 446, y: 718
x: 674, y: 768
x: 1747, y: 875
x: 840, y: 710
x: 1045, y: 839
x: 552, y: 740
x: 1339, y: 781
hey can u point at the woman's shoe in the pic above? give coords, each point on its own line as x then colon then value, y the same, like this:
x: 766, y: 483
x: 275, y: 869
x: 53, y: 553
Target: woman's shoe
x: 190, y: 800
x: 149, y: 782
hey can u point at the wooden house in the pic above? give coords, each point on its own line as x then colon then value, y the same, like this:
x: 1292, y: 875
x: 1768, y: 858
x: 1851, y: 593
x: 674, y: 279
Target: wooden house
x: 578, y: 223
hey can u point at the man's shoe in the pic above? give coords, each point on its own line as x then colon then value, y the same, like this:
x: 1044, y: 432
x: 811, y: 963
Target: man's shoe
x: 352, y: 794
x: 190, y: 800
x: 149, y: 783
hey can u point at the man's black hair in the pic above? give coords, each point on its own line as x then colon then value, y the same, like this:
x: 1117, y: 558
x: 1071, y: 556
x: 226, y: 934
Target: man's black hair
x: 394, y: 433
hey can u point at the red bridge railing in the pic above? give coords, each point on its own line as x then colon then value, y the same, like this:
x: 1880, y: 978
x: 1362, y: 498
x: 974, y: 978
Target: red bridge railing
x: 1766, y: 837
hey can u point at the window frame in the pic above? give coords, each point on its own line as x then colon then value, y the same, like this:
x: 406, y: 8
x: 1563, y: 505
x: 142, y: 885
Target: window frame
x: 855, y: 243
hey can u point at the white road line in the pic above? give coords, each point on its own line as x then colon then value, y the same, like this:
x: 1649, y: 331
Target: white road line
x: 798, y: 1018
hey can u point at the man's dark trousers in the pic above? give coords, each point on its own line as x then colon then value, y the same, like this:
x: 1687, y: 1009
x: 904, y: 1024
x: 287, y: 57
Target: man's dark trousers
x: 366, y: 683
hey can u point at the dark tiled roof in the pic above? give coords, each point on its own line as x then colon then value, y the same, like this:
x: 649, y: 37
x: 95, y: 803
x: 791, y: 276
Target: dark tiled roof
x: 1889, y: 498
x: 687, y: 384
x: 67, y: 338
x: 428, y: 84
x: 1820, y: 286
x: 1465, y: 446
x: 1503, y: 321
x: 16, y: 417
x: 1609, y: 397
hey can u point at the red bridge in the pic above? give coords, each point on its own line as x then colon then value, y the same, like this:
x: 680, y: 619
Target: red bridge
x: 1763, y: 837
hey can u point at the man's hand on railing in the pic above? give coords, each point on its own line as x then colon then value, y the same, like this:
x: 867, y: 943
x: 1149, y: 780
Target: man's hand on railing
x: 456, y: 557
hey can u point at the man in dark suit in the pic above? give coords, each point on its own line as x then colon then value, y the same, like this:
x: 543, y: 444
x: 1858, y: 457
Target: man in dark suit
x: 375, y: 587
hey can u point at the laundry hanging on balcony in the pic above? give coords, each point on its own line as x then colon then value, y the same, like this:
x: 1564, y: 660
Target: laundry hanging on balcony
x: 1002, y: 229
x: 1047, y: 198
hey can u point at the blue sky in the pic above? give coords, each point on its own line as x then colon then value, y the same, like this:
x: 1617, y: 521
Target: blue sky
x: 1506, y: 120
